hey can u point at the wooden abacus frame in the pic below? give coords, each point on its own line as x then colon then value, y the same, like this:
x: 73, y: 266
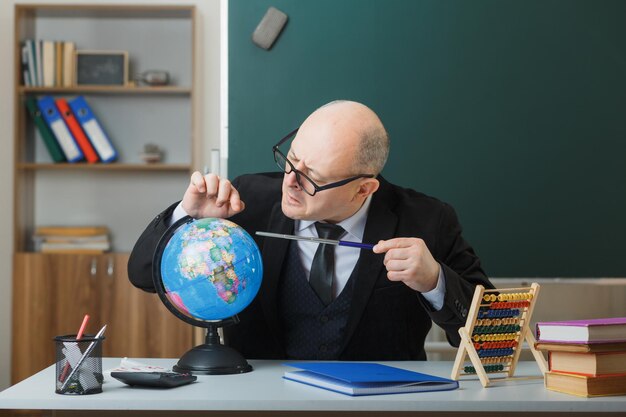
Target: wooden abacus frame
x: 522, y: 299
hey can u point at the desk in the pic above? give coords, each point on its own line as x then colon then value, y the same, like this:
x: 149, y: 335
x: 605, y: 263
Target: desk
x: 264, y: 392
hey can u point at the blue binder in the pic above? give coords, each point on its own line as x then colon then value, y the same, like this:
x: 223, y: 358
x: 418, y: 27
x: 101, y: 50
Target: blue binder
x: 93, y: 129
x: 53, y: 118
x: 361, y: 378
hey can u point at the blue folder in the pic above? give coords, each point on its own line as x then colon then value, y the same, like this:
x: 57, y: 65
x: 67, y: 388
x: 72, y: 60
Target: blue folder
x: 53, y: 118
x: 360, y: 378
x: 94, y: 131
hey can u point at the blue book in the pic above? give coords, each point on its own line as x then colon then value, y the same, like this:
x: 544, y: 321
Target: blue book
x: 93, y: 129
x: 53, y: 118
x: 360, y: 378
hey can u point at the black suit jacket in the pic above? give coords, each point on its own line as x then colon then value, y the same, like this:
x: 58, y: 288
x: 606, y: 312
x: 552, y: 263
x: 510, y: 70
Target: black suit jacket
x: 387, y: 320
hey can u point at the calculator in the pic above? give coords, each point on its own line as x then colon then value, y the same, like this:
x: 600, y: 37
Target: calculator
x: 154, y: 379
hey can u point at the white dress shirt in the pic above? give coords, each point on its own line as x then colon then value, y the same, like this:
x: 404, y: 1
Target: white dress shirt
x: 345, y: 257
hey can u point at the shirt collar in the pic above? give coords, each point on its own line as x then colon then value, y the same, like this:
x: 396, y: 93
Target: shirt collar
x: 353, y: 225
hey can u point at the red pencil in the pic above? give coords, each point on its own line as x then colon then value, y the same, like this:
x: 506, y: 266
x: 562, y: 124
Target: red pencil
x: 66, y: 368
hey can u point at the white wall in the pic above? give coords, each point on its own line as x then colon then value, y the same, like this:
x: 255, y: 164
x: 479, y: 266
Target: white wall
x: 207, y: 127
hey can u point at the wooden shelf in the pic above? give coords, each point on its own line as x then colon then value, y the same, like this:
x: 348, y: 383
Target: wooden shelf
x: 105, y: 89
x: 121, y: 195
x: 31, y: 166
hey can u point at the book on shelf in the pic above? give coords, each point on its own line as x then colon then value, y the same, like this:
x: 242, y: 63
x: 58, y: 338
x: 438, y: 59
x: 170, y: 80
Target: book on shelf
x: 589, y: 364
x: 31, y: 63
x: 586, y: 386
x: 58, y: 63
x: 72, y: 239
x: 38, y: 64
x: 74, y: 251
x: 69, y: 48
x: 53, y: 147
x: 26, y: 77
x: 47, y: 63
x: 583, y: 331
x: 93, y: 247
x: 359, y: 378
x: 71, y: 230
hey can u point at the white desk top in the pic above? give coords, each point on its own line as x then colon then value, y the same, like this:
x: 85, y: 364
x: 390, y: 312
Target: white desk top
x: 264, y: 389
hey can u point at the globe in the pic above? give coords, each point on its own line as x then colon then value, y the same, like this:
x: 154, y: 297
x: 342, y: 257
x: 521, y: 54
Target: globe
x: 206, y: 271
x: 211, y: 269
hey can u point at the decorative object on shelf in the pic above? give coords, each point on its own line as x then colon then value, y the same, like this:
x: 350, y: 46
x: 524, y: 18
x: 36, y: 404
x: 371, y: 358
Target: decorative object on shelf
x: 153, y: 78
x: 497, y: 325
x: 151, y: 153
x: 101, y: 67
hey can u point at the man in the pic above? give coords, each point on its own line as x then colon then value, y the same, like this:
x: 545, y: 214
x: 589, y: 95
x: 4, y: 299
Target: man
x: 326, y: 302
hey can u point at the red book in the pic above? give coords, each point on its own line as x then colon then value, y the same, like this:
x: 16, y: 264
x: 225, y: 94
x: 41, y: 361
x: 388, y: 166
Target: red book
x: 77, y: 131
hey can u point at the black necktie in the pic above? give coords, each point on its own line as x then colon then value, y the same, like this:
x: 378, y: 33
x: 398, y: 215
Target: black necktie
x: 321, y: 277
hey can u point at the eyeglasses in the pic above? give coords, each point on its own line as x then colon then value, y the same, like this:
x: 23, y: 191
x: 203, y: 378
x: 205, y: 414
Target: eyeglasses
x: 303, y: 181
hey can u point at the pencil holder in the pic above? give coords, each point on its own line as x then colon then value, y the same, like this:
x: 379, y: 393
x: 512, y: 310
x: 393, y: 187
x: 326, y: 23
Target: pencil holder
x: 78, y: 365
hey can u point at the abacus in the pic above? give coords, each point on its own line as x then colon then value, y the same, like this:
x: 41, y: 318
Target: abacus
x: 497, y: 324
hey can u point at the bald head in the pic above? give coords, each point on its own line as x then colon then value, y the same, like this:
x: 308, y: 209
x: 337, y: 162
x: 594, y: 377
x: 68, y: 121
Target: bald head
x: 360, y: 130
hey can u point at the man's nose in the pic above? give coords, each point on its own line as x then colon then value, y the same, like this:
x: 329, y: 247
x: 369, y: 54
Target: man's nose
x: 291, y: 179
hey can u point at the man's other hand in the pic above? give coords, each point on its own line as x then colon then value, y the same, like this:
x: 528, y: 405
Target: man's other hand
x: 409, y: 260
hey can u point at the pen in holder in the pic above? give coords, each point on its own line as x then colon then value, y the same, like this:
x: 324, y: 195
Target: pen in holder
x: 84, y: 358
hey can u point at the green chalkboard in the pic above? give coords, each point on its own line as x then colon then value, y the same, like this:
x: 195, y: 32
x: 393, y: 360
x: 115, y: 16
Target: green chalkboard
x: 514, y: 112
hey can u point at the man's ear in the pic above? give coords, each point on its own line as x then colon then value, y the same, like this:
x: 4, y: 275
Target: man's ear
x: 368, y: 187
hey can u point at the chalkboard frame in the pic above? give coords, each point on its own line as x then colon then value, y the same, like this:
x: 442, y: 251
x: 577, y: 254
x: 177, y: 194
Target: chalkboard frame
x: 92, y: 61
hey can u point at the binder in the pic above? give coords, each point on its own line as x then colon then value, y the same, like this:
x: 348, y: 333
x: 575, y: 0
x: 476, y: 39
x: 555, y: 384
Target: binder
x: 52, y: 116
x: 55, y: 151
x: 93, y: 129
x: 74, y: 127
x: 361, y: 378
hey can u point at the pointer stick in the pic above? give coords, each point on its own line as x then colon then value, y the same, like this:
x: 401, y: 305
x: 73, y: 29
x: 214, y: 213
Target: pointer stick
x: 319, y: 240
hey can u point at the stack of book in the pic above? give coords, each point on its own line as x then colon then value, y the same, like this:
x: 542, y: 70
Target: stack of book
x: 72, y: 239
x: 47, y: 63
x: 585, y: 357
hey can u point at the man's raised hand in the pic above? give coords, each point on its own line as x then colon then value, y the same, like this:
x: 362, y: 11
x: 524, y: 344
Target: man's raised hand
x: 211, y: 196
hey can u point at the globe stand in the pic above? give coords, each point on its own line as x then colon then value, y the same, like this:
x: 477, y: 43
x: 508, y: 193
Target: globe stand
x: 210, y: 358
x: 213, y: 358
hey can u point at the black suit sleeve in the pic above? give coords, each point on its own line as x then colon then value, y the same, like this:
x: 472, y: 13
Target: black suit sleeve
x: 462, y: 271
x: 140, y: 261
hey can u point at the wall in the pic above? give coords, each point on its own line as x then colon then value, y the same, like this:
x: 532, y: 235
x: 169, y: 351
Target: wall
x: 512, y: 111
x: 207, y: 119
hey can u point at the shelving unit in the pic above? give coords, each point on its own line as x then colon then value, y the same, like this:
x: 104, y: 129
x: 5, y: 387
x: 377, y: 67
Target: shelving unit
x: 123, y: 195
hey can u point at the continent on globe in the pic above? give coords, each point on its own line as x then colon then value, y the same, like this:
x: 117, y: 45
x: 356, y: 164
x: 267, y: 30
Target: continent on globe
x: 211, y: 269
